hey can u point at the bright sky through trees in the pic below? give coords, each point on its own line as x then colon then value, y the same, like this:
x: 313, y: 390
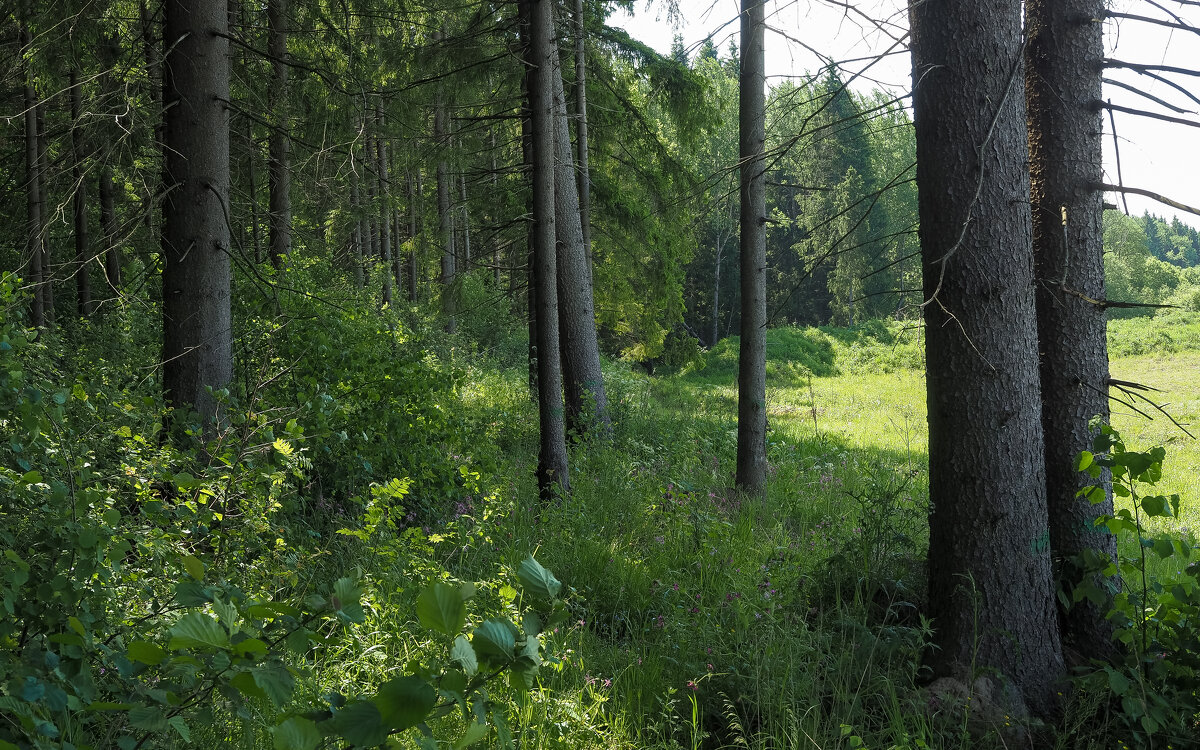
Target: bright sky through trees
x: 1155, y: 155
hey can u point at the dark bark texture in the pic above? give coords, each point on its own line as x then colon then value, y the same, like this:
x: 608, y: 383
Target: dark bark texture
x: 542, y: 59
x: 197, y: 345
x: 587, y: 404
x: 1063, y: 56
x: 35, y: 238
x: 752, y: 374
x: 279, y: 161
x: 83, y: 252
x: 991, y: 590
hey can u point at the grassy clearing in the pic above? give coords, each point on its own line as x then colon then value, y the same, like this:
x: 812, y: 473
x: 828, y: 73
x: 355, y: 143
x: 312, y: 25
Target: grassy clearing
x: 700, y: 618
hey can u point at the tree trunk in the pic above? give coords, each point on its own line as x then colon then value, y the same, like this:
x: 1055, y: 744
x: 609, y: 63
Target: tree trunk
x: 530, y: 233
x: 752, y: 373
x: 83, y: 282
x: 991, y: 590
x: 357, y: 238
x: 108, y: 226
x: 35, y: 237
x: 279, y: 162
x: 196, y: 276
x: 383, y: 214
x: 445, y: 224
x: 587, y: 405
x: 413, y: 230
x: 47, y: 286
x: 152, y: 57
x: 1063, y: 57
x: 543, y: 57
x: 581, y: 135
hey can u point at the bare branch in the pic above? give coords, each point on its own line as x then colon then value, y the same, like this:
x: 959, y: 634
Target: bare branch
x: 1148, y: 194
x: 1151, y: 97
x: 1112, y: 120
x: 1155, y: 21
x: 1108, y: 62
x: 1144, y: 113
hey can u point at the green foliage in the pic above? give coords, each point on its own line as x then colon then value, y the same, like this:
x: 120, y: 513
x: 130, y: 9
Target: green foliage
x: 1155, y: 684
x: 795, y: 353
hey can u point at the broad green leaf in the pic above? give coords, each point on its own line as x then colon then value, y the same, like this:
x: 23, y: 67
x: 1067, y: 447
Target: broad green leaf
x: 404, y: 702
x: 1156, y: 505
x: 150, y: 718
x: 1084, y: 460
x: 275, y: 681
x: 494, y: 641
x: 193, y: 566
x: 476, y: 732
x: 464, y: 655
x: 251, y: 648
x: 297, y: 733
x: 359, y: 723
x: 440, y: 607
x: 537, y: 580
x: 1164, y: 547
x: 245, y: 682
x: 146, y: 653
x: 1117, y: 682
x: 179, y: 725
x: 198, y: 630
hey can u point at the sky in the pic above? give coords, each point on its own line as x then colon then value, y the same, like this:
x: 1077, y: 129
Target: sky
x: 1158, y: 156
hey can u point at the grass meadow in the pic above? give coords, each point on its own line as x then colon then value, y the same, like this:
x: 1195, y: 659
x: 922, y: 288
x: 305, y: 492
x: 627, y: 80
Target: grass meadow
x: 708, y: 620
x: 703, y: 619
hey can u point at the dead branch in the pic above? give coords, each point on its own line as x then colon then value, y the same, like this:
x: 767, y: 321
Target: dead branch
x: 1145, y: 113
x: 1148, y: 194
x: 1151, y: 97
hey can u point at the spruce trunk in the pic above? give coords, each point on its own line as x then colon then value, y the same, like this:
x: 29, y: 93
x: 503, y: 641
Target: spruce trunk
x: 991, y: 590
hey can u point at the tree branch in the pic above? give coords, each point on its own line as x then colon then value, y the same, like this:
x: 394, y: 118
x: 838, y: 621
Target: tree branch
x: 1148, y: 194
x: 1155, y: 21
x: 1144, y: 113
x: 1151, y: 97
x: 1108, y: 62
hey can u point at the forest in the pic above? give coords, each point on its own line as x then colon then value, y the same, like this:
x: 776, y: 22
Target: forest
x: 439, y: 376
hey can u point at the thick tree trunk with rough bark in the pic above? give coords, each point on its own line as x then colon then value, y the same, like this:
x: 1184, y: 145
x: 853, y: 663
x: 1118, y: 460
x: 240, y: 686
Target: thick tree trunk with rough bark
x: 587, y: 404
x: 279, y: 158
x: 752, y: 375
x: 197, y: 343
x: 991, y: 590
x: 542, y: 59
x: 1066, y: 45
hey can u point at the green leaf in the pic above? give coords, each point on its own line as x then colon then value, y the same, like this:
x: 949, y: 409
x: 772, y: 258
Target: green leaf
x: 150, y: 718
x: 275, y: 681
x: 193, y: 566
x: 404, y: 702
x: 476, y: 732
x: 494, y: 641
x: 1084, y: 460
x: 198, y: 630
x: 1156, y: 505
x: 537, y: 580
x: 1164, y: 547
x: 464, y: 655
x: 359, y: 723
x: 179, y: 725
x: 297, y: 733
x: 251, y: 648
x: 146, y: 653
x: 440, y: 607
x: 1117, y: 682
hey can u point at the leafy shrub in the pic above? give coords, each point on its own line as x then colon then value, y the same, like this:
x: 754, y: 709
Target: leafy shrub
x: 1155, y: 684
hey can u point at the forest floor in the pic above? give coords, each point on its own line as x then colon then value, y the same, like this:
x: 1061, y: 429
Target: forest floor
x: 706, y: 619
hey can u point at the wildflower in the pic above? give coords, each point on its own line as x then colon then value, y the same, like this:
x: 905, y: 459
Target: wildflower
x: 692, y: 684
